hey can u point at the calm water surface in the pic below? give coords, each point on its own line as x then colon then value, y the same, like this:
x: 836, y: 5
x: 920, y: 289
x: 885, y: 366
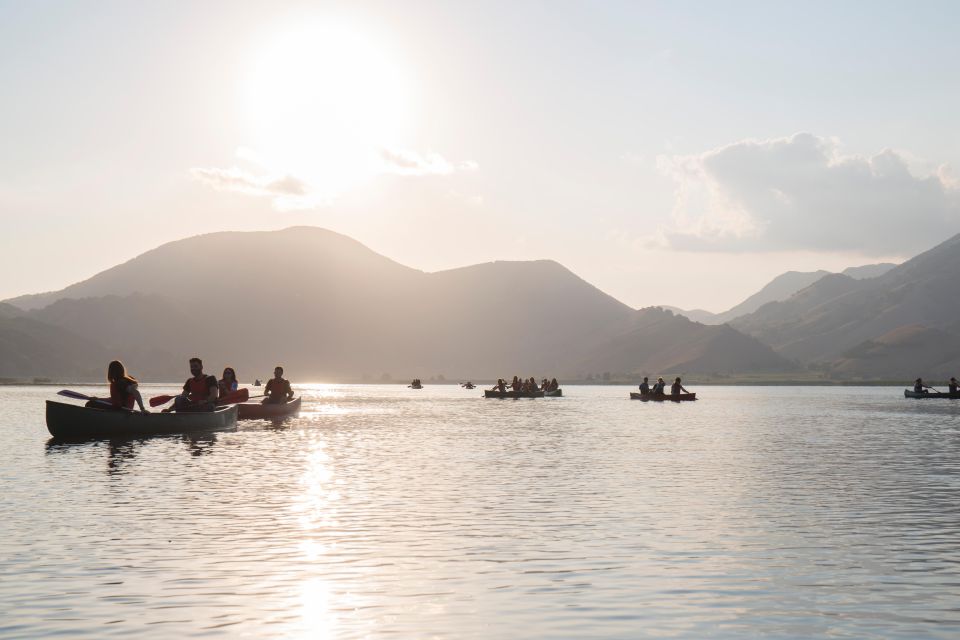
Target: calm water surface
x: 383, y: 511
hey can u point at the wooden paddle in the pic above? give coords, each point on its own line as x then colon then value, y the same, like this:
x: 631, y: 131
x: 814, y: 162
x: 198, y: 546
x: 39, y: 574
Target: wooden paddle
x: 79, y: 396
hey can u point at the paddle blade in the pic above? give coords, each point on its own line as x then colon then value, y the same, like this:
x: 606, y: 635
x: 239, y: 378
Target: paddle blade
x: 240, y: 395
x: 72, y: 394
x: 158, y: 400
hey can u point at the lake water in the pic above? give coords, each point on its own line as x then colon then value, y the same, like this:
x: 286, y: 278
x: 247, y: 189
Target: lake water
x: 382, y: 511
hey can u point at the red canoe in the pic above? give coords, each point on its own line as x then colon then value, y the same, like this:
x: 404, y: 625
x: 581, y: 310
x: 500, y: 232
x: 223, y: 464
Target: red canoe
x: 259, y: 411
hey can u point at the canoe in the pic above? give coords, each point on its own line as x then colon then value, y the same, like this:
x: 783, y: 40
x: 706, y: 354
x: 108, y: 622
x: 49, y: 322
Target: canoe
x: 415, y: 386
x: 488, y: 393
x: 909, y: 393
x: 556, y: 393
x: 660, y: 397
x: 71, y: 421
x: 257, y: 411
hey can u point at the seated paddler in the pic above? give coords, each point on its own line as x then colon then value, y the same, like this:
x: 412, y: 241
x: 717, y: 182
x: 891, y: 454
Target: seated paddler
x: 200, y: 391
x: 278, y: 390
x: 123, y: 390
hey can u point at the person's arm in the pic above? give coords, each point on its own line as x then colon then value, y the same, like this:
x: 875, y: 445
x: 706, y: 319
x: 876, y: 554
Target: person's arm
x: 289, y: 392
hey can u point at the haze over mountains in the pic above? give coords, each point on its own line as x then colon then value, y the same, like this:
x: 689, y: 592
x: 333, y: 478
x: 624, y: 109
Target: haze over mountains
x: 328, y: 308
x: 781, y: 288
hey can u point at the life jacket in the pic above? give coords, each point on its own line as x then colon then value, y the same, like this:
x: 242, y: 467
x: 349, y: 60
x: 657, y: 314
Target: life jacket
x: 278, y: 389
x: 199, y: 390
x: 119, y: 397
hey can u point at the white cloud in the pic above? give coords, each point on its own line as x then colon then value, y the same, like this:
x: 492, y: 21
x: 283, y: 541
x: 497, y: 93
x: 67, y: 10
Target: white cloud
x: 290, y: 192
x: 801, y: 192
x: 410, y: 163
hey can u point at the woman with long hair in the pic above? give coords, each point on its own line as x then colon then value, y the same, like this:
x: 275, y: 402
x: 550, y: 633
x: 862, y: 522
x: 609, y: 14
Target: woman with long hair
x: 228, y: 384
x: 123, y: 389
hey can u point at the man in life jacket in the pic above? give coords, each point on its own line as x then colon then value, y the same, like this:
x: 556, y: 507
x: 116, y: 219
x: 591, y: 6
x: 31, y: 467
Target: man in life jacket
x: 200, y: 392
x: 278, y: 390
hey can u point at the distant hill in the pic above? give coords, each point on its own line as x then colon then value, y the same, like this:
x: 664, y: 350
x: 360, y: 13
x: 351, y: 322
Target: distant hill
x: 326, y: 307
x: 657, y: 342
x: 29, y: 348
x: 903, y: 352
x: 837, y: 314
x: 868, y: 270
x: 778, y: 289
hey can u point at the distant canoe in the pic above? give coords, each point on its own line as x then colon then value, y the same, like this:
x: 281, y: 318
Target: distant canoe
x: 70, y: 421
x: 556, y: 393
x: 488, y: 393
x: 259, y: 411
x: 415, y: 386
x: 907, y: 393
x: 661, y: 397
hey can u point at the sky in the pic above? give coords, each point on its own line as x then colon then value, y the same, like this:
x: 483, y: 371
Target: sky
x: 670, y: 153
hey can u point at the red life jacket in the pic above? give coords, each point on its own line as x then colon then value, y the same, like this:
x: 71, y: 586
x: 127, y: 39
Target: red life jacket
x: 199, y: 390
x: 119, y: 397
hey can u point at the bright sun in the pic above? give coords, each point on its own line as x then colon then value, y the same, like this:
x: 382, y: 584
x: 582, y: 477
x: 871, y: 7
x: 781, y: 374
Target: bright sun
x: 322, y: 101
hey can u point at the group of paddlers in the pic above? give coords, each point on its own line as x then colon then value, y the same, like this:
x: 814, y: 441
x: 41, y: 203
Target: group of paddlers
x: 201, y: 392
x: 528, y: 385
x: 919, y: 387
x: 659, y: 387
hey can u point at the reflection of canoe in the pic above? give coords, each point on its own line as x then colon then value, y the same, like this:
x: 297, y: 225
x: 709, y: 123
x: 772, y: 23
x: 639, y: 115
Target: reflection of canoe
x: 512, y: 394
x: 908, y: 393
x: 660, y: 397
x: 268, y: 411
x: 556, y: 393
x: 73, y: 421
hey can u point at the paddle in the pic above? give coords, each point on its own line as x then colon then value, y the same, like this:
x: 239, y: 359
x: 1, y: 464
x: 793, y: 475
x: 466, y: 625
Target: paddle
x: 240, y: 395
x: 79, y: 396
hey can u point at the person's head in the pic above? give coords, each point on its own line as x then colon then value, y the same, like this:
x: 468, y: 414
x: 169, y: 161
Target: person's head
x: 659, y: 379
x: 644, y: 378
x: 953, y: 379
x: 229, y: 374
x: 677, y: 380
x: 919, y: 380
x: 196, y: 366
x: 278, y: 372
x: 116, y: 371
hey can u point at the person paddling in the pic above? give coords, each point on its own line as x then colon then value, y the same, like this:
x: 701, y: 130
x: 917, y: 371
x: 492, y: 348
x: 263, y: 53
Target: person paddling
x: 953, y: 386
x: 123, y: 390
x: 200, y: 391
x: 676, y: 388
x: 278, y: 390
x: 501, y: 386
x: 658, y: 388
x: 228, y: 384
x: 644, y: 386
x: 919, y: 387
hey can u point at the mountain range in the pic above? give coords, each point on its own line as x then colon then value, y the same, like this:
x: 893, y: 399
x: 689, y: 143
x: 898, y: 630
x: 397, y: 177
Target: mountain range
x: 328, y: 308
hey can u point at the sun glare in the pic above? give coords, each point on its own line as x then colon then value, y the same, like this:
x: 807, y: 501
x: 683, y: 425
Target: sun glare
x: 322, y: 101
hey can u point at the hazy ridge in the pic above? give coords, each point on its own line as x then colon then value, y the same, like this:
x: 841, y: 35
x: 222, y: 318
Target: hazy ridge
x: 329, y: 308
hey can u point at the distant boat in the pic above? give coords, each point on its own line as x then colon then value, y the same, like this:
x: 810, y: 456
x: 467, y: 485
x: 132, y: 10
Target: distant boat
x: 660, y: 397
x: 415, y: 386
x: 468, y: 385
x: 909, y: 393
x: 256, y: 383
x: 491, y: 393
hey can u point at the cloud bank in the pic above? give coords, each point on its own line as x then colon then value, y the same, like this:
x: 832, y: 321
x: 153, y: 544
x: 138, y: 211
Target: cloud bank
x: 801, y: 193
x: 290, y: 192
